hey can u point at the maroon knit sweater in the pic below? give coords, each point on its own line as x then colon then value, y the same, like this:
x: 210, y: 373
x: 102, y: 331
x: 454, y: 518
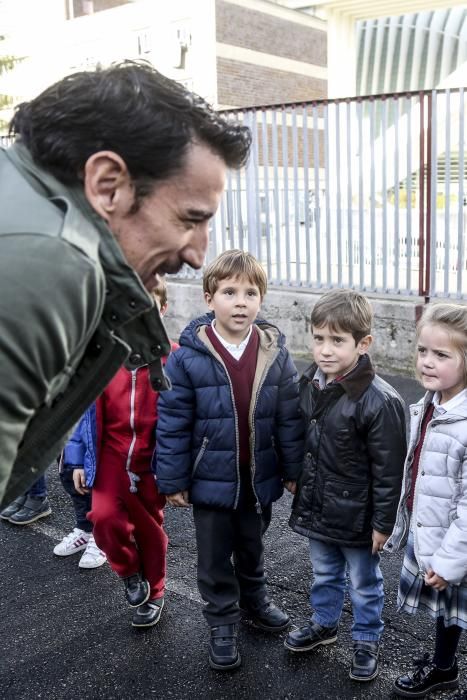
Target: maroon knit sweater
x: 242, y: 374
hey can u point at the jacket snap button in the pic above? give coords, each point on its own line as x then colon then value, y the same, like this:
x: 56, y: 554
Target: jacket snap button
x: 132, y: 303
x: 156, y: 349
x: 423, y: 473
x: 114, y: 317
x: 308, y: 455
x: 345, y: 494
x: 419, y: 524
x: 415, y: 413
x: 313, y: 421
x: 135, y: 358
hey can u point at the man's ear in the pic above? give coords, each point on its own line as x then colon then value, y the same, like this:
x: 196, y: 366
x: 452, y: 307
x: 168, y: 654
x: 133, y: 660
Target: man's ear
x: 107, y: 184
x: 364, y: 344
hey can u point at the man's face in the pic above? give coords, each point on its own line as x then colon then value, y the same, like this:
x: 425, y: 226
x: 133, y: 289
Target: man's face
x: 170, y: 227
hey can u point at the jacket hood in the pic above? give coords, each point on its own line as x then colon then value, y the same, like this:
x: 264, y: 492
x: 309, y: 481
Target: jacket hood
x: 355, y: 383
x: 270, y: 335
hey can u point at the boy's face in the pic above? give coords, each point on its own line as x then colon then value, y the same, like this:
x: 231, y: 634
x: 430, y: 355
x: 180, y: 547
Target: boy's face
x: 336, y: 352
x: 235, y: 303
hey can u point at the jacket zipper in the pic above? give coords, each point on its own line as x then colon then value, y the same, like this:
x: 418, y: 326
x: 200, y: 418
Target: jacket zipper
x: 132, y: 423
x: 253, y: 431
x: 416, y: 490
x: 200, y: 454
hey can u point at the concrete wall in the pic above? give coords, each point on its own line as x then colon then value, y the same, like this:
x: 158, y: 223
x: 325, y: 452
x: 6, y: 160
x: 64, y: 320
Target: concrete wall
x: 393, y: 330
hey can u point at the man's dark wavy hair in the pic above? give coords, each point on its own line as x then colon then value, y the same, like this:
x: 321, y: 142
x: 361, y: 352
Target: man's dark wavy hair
x: 131, y: 109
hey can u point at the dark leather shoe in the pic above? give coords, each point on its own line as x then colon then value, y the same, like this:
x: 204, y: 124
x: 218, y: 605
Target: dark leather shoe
x: 33, y: 509
x: 223, y: 650
x: 425, y: 678
x: 310, y: 636
x: 136, y: 590
x: 364, y: 661
x: 148, y: 614
x: 13, y: 508
x: 268, y: 617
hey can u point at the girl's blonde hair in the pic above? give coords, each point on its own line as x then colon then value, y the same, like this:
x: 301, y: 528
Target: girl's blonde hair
x: 453, y: 319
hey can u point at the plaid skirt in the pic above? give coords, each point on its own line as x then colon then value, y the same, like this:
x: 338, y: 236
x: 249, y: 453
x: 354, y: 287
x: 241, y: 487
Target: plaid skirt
x: 413, y: 593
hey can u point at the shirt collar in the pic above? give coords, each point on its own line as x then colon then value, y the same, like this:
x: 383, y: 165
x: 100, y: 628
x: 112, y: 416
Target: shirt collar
x: 451, y: 404
x: 235, y: 350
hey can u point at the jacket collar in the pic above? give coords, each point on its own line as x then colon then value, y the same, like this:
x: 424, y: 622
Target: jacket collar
x: 354, y: 383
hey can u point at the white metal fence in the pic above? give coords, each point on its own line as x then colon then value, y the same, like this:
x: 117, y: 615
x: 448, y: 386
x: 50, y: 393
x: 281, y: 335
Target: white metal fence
x: 369, y: 193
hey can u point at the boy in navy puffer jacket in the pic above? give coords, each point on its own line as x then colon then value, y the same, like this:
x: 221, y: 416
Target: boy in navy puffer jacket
x: 229, y: 438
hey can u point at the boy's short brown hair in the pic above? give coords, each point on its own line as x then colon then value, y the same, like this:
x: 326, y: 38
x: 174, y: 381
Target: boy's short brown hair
x: 344, y: 310
x: 160, y: 292
x: 234, y: 263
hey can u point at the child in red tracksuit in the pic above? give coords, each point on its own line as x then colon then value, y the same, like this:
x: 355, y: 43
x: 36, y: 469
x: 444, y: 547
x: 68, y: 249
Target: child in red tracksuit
x: 112, y: 450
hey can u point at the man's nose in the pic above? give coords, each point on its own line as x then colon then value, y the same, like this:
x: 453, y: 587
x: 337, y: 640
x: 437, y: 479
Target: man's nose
x: 196, y: 251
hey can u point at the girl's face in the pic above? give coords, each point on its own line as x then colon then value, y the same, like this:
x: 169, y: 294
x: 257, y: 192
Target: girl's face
x: 439, y: 364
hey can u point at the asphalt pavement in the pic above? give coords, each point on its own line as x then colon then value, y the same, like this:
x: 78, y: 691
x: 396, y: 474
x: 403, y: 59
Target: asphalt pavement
x: 66, y: 634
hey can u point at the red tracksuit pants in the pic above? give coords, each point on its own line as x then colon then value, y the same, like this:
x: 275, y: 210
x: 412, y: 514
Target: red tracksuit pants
x: 128, y: 526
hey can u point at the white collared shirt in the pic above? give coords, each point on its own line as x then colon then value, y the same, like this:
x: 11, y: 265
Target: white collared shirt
x: 451, y: 404
x: 235, y: 350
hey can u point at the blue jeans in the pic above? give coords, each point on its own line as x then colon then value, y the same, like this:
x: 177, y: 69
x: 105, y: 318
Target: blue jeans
x: 365, y: 584
x: 39, y: 488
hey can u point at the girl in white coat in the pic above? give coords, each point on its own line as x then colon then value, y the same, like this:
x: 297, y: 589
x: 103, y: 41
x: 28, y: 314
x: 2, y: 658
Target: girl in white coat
x: 432, y: 513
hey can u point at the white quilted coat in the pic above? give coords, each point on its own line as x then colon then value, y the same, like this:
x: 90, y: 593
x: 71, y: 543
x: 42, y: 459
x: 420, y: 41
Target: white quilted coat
x: 440, y: 503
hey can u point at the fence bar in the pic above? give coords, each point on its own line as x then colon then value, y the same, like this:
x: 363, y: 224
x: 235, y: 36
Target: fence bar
x: 372, y: 196
x: 432, y: 174
x: 277, y: 222
x: 265, y: 149
x: 396, y: 194
x: 306, y: 194
x: 317, y: 217
x: 447, y: 192
x: 349, y: 193
x: 461, y: 217
x: 338, y: 198
x: 361, y: 221
x: 327, y: 196
x: 408, y: 218
x: 285, y: 175
x: 384, y: 180
x: 298, y: 276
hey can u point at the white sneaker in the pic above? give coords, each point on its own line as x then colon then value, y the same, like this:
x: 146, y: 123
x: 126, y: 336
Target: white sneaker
x: 93, y: 556
x: 73, y: 542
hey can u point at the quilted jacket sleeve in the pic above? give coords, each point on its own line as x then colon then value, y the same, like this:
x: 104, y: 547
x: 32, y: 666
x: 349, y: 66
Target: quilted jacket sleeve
x: 289, y: 420
x: 450, y: 559
x: 174, y: 429
x: 386, y: 444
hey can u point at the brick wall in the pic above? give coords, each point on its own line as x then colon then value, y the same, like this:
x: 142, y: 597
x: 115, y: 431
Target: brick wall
x: 242, y: 84
x: 259, y: 31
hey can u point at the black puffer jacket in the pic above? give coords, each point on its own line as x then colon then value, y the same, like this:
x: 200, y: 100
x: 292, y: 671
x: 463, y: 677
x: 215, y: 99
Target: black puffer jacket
x: 355, y: 450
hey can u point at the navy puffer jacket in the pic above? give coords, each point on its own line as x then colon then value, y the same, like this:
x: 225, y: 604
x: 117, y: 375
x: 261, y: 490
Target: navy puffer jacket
x: 197, y: 444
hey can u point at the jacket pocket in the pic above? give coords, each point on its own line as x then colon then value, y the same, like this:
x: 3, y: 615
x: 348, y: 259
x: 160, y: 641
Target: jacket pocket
x: 199, y: 456
x: 345, y: 505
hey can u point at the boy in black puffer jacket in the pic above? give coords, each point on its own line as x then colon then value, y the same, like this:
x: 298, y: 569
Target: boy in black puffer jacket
x: 348, y: 493
x: 229, y: 438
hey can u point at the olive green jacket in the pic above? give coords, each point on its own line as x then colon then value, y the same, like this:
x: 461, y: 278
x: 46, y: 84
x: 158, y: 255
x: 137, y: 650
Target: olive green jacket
x: 71, y: 312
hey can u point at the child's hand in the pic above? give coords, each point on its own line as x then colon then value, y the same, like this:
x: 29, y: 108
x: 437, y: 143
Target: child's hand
x: 378, y: 541
x: 79, y: 481
x: 180, y: 499
x: 435, y: 581
x: 291, y: 486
